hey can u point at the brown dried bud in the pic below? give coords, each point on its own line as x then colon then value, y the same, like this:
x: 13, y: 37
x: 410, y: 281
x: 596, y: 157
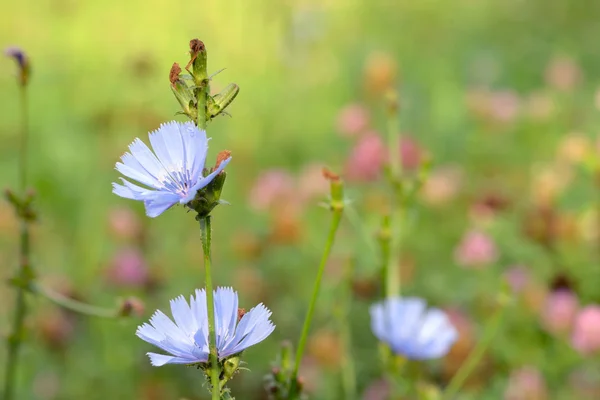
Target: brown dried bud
x: 241, y: 313
x: 196, y: 46
x: 174, y: 74
x: 222, y: 156
x: 132, y: 306
x: 330, y: 176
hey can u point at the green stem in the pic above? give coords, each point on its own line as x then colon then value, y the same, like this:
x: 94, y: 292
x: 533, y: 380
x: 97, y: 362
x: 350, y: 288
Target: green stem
x: 201, y: 97
x: 72, y: 304
x: 392, y: 278
x: 335, y: 222
x: 16, y: 336
x: 385, y: 238
x: 393, y: 127
x: 205, y: 231
x: 476, y: 354
x: 24, y: 139
x: 348, y: 369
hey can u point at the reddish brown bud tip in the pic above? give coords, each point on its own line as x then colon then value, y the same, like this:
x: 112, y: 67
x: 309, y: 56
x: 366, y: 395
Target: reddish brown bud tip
x: 196, y: 46
x: 174, y: 74
x: 241, y: 313
x: 330, y: 176
x: 132, y: 306
x: 222, y: 156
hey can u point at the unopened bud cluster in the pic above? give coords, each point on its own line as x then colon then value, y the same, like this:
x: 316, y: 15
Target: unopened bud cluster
x: 192, y: 90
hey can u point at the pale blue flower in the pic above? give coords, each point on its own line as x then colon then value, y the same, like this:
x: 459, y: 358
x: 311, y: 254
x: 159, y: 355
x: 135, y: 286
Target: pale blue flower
x: 173, y: 173
x: 410, y: 330
x: 186, y: 339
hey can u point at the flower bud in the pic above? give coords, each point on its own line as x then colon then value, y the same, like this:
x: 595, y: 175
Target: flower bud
x: 336, y: 188
x: 198, y: 61
x: 131, y: 306
x: 22, y: 62
x: 183, y: 94
x: 219, y: 102
x: 210, y: 196
x: 230, y: 367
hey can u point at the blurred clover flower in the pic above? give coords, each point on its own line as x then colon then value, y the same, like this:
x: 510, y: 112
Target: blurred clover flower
x: 410, y: 330
x: 187, y: 339
x: 174, y: 172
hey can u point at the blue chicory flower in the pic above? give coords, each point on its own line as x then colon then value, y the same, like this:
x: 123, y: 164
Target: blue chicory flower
x: 410, y: 330
x: 173, y: 172
x: 186, y: 339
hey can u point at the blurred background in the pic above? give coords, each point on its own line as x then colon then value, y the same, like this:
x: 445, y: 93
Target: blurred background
x: 502, y: 96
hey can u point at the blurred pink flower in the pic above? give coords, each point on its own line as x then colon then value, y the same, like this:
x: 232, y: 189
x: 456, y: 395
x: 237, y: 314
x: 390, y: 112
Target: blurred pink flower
x: 503, y: 106
x: 411, y: 153
x: 526, y: 383
x: 442, y: 185
x: 311, y: 182
x: 271, y: 187
x: 559, y: 311
x: 586, y: 331
x: 518, y: 278
x: 128, y: 268
x: 367, y: 159
x: 477, y: 249
x: 124, y: 224
x: 353, y: 120
x: 377, y: 390
x: 563, y: 73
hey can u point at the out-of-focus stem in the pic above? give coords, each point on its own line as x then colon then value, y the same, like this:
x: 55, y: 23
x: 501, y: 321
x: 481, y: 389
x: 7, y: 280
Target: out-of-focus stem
x: 205, y: 230
x: 348, y: 369
x: 333, y: 227
x: 16, y: 336
x: 74, y: 305
x: 392, y: 279
x: 476, y: 354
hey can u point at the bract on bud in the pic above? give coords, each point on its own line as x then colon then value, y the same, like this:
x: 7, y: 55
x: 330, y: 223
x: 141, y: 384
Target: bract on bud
x: 337, y: 189
x: 230, y: 367
x: 183, y: 94
x: 219, y: 102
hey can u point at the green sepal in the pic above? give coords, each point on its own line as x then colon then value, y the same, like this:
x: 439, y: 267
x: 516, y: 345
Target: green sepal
x: 219, y: 102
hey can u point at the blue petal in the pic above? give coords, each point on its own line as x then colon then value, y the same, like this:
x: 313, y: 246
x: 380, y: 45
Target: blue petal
x: 226, y: 312
x: 183, y: 315
x: 253, y: 328
x: 159, y: 202
x: 203, y: 182
x: 196, y: 147
x: 160, y: 141
x: 378, y: 321
x: 146, y: 158
x: 158, y: 360
x: 123, y: 191
x: 131, y: 168
x: 198, y: 306
x: 163, y: 324
x: 149, y: 334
